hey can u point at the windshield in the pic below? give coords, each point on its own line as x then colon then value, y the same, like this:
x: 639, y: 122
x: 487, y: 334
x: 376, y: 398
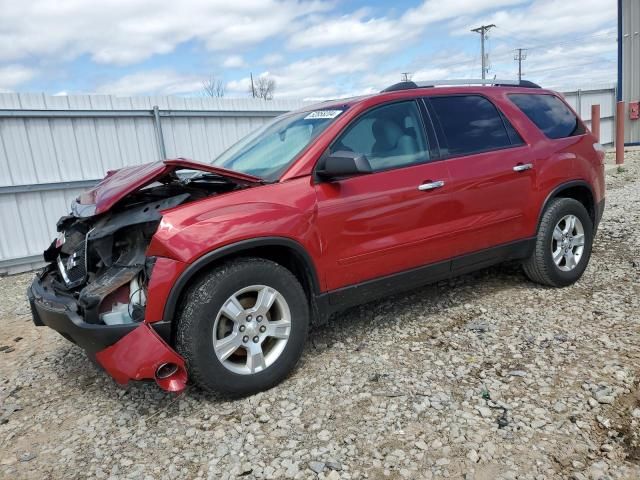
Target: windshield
x: 267, y: 152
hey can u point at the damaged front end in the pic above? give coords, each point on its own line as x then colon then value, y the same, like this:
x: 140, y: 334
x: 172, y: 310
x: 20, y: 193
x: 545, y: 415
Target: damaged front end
x: 101, y: 261
x: 95, y: 288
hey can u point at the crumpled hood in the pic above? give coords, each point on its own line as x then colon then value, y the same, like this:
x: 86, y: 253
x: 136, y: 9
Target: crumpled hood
x: 120, y: 183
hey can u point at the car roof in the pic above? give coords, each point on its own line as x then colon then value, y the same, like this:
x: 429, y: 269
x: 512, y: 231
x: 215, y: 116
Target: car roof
x: 337, y: 103
x: 385, y: 95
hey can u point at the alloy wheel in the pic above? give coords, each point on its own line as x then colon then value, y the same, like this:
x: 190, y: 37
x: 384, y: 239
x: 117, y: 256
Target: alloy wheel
x: 567, y: 244
x: 251, y: 329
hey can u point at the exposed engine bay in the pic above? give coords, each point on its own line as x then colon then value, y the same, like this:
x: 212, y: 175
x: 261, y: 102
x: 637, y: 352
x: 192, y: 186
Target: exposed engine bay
x: 100, y: 260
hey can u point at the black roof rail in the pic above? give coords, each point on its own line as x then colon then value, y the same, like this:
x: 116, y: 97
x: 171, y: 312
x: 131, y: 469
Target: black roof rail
x: 400, y: 86
x: 522, y: 83
x: 464, y: 81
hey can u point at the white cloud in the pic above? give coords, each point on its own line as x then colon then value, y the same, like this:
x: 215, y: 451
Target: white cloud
x: 234, y: 61
x: 346, y: 30
x: 521, y: 23
x: 125, y: 32
x: 544, y: 19
x: 310, y: 78
x: 567, y: 65
x: 13, y: 75
x: 358, y: 28
x: 273, y: 59
x: 431, y: 11
x: 158, y: 82
x: 365, y: 42
x: 335, y: 54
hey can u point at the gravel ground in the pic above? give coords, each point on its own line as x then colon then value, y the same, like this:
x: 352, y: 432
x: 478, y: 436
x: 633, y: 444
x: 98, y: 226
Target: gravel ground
x: 484, y: 377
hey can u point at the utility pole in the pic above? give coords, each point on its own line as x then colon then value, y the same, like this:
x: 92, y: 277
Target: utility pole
x: 405, y: 76
x: 482, y: 30
x: 520, y: 57
x: 253, y: 90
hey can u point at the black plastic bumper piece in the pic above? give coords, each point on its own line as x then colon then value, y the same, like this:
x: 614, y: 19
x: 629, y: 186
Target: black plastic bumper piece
x: 61, y: 314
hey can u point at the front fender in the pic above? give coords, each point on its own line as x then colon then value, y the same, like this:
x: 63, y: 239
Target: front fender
x: 287, y: 209
x: 187, y: 239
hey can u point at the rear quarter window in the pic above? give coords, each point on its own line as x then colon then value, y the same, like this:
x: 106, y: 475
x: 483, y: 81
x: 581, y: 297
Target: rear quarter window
x: 549, y: 114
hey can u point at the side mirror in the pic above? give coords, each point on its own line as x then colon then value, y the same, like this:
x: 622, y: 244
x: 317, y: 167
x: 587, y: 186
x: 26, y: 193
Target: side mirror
x: 343, y: 164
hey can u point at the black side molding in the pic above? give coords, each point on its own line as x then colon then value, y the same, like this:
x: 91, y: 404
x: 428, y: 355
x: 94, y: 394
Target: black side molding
x: 327, y: 303
x: 357, y: 294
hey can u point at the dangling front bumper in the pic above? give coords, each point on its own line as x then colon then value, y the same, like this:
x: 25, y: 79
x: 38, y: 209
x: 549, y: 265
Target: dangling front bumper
x: 131, y: 351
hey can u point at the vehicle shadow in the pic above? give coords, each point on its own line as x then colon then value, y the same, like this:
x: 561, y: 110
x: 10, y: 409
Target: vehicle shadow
x: 453, y: 293
x: 433, y: 300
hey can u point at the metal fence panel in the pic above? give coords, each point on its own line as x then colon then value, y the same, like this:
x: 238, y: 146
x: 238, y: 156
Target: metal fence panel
x: 581, y: 101
x: 53, y: 147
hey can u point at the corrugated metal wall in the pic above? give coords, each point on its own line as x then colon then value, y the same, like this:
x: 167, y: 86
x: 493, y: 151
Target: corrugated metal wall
x: 631, y: 65
x: 581, y: 101
x: 52, y: 147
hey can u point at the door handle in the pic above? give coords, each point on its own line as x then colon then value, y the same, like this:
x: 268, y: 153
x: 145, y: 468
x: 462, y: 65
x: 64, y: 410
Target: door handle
x: 522, y: 167
x: 431, y: 185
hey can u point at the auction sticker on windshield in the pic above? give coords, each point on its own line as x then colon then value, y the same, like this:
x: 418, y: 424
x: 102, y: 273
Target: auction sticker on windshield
x: 323, y: 114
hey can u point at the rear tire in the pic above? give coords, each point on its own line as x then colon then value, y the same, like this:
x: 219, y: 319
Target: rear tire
x: 563, y: 244
x: 232, y: 326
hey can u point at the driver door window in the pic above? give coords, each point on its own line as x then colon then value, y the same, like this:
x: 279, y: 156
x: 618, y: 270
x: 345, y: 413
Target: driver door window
x: 390, y: 136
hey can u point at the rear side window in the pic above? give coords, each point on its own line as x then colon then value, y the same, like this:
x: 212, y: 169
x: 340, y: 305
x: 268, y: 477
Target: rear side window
x: 471, y: 124
x: 549, y: 113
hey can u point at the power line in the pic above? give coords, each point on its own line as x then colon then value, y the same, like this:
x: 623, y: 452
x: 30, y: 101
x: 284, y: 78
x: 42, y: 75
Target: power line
x: 605, y: 35
x: 572, y: 65
x: 503, y: 57
x: 482, y: 30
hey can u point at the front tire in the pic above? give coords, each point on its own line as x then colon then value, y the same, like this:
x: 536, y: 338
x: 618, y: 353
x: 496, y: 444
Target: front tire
x: 242, y: 327
x: 563, y: 244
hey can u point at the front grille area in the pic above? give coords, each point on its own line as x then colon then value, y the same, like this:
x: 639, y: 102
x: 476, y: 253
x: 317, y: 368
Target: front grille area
x: 72, y: 267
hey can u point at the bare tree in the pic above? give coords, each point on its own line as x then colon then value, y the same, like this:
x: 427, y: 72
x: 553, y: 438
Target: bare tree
x: 262, y: 87
x: 213, y: 87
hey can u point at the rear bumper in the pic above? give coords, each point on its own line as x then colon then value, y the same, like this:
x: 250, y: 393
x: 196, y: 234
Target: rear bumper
x: 127, y: 352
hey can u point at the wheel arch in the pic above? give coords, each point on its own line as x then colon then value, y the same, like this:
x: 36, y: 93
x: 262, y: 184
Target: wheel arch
x: 284, y: 251
x: 578, y: 190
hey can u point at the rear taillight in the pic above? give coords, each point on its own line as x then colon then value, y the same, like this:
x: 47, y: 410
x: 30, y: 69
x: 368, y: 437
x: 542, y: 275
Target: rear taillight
x: 600, y: 151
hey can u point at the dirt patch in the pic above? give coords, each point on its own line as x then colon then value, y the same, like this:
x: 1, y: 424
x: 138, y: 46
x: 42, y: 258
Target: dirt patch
x: 629, y: 409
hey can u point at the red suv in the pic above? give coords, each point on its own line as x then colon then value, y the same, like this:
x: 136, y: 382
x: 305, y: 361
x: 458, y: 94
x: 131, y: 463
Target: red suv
x: 216, y: 271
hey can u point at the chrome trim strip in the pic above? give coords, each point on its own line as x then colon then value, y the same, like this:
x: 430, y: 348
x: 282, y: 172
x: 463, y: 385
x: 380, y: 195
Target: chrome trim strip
x: 63, y: 272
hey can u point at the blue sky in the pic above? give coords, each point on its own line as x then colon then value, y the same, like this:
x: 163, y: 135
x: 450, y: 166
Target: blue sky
x: 313, y: 49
